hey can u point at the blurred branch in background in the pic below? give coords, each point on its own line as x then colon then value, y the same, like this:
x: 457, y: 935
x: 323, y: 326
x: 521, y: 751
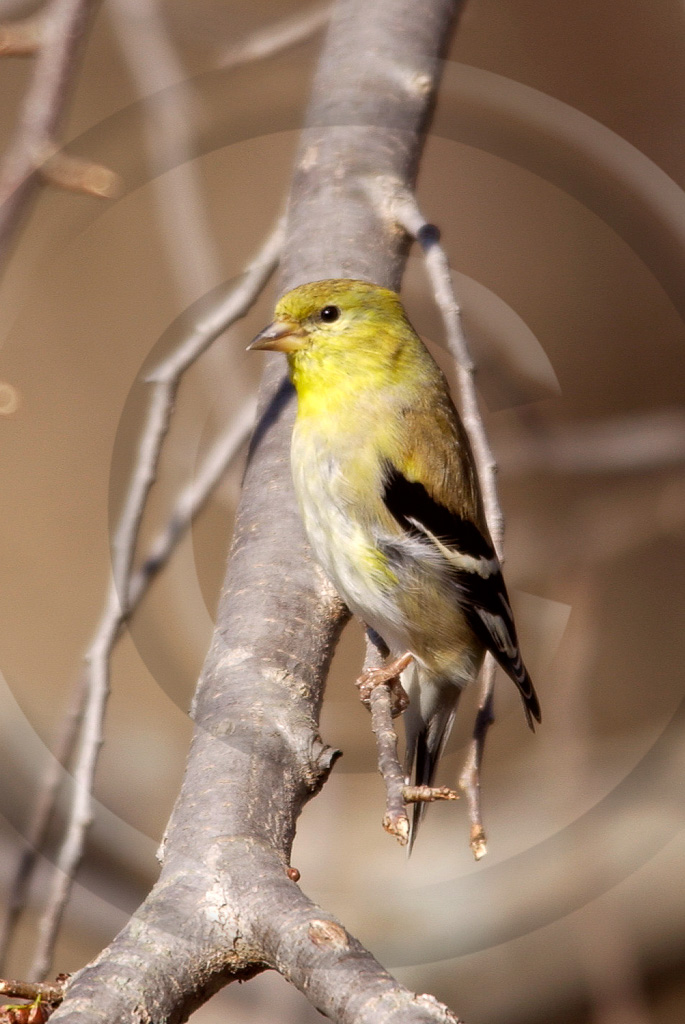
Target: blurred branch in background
x: 277, y: 36
x: 192, y: 498
x: 171, y: 113
x: 33, y: 153
x: 640, y: 442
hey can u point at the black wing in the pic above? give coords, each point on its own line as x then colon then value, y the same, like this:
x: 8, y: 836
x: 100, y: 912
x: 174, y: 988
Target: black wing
x: 479, y: 584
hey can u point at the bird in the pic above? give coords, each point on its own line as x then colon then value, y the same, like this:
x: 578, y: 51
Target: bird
x: 389, y: 495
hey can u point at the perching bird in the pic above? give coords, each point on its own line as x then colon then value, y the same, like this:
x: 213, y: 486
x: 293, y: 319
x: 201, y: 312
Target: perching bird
x: 389, y: 494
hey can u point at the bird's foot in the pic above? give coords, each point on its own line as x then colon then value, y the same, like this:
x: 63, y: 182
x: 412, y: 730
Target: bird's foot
x: 387, y: 675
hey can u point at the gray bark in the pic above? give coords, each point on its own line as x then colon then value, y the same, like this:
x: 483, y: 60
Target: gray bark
x: 224, y: 906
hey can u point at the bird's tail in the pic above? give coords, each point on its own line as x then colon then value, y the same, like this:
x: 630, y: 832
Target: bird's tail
x: 428, y: 722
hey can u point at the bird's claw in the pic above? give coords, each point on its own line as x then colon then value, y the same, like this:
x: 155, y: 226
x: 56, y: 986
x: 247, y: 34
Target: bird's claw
x: 387, y: 675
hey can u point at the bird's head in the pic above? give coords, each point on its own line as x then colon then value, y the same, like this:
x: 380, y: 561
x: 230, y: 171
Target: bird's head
x: 329, y: 328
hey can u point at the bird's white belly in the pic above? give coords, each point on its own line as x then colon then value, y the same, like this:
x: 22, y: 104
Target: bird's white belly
x: 343, y: 546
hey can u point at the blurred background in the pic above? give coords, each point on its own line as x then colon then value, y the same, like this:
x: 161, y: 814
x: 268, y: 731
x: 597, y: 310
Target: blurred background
x: 554, y: 168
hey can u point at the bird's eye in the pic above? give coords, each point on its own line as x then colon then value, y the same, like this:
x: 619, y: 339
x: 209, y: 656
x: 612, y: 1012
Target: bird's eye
x: 329, y: 314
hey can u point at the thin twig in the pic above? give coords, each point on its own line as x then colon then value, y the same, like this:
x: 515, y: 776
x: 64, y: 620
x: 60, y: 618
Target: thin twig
x: 428, y: 794
x: 188, y: 505
x: 117, y: 608
x: 277, y: 37
x: 469, y: 780
x: 408, y: 214
x: 63, y: 27
x: 382, y: 706
x: 395, y: 820
x: 171, y: 114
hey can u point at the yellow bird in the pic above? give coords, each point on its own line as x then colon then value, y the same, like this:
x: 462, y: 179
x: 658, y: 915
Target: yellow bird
x: 390, y: 499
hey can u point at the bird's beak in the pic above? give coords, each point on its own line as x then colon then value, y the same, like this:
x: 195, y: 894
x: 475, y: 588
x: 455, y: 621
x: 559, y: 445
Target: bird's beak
x: 280, y: 336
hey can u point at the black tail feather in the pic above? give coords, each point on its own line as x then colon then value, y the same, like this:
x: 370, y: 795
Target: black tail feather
x: 425, y: 744
x: 425, y: 765
x: 531, y: 704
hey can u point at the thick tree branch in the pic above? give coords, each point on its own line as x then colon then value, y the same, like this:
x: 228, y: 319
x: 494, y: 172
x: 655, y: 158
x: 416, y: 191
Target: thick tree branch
x: 165, y: 381
x: 225, y: 906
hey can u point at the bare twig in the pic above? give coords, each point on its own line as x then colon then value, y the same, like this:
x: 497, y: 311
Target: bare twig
x: 171, y: 115
x: 278, y: 36
x: 469, y: 780
x: 408, y: 214
x: 117, y: 608
x: 383, y: 704
x: 63, y: 29
x: 395, y: 820
x: 428, y: 794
